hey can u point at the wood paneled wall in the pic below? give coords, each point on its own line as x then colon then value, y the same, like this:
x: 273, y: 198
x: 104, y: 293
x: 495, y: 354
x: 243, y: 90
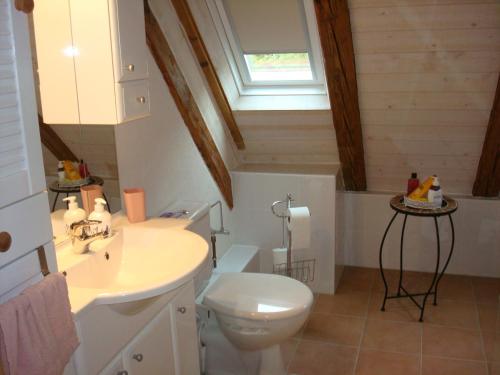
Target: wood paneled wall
x: 427, y: 73
x: 287, y: 137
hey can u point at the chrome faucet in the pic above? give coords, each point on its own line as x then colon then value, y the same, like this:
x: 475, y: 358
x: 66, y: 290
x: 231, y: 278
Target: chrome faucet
x: 84, y: 232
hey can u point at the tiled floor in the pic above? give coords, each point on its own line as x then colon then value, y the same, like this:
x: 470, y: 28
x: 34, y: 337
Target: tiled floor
x: 347, y: 334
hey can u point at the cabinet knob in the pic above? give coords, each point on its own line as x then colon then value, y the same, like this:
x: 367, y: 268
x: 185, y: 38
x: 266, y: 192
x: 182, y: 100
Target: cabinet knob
x: 123, y: 372
x: 5, y: 241
x: 138, y: 357
x: 141, y: 99
x: 131, y: 67
x: 182, y: 310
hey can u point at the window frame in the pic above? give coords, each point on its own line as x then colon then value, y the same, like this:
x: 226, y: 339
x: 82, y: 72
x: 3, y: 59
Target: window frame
x: 239, y: 68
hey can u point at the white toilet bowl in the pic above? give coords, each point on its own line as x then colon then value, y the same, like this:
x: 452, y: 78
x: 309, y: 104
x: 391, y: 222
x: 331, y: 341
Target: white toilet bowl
x: 258, y: 312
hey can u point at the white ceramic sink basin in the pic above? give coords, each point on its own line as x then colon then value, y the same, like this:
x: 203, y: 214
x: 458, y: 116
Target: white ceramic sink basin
x: 140, y: 261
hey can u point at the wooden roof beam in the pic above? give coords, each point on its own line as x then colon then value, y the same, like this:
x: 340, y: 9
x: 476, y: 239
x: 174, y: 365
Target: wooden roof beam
x: 186, y: 104
x: 54, y: 143
x: 487, y: 183
x: 334, y: 28
x: 189, y: 24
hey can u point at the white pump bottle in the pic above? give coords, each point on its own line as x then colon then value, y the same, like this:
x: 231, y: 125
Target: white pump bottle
x: 102, y: 215
x: 73, y: 214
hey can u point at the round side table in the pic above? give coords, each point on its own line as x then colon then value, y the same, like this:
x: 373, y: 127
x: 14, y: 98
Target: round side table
x: 449, y: 207
x: 93, y: 180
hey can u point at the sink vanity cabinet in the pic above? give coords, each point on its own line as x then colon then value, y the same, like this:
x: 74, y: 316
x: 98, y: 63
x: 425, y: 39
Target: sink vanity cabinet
x: 155, y: 336
x: 92, y: 61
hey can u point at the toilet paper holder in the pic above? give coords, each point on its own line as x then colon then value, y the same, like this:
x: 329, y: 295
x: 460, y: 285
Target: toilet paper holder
x: 302, y: 270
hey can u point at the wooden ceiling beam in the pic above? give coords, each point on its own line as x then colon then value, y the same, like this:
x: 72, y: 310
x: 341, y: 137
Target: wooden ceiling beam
x: 54, y: 143
x: 334, y: 28
x: 487, y: 183
x: 186, y: 104
x: 193, y: 35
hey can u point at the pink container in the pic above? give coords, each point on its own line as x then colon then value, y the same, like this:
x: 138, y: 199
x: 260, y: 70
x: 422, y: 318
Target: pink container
x: 135, y: 204
x: 89, y: 194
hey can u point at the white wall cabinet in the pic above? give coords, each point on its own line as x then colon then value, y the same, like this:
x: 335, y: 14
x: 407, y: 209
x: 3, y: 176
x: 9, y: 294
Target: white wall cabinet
x: 92, y: 61
x: 166, y: 345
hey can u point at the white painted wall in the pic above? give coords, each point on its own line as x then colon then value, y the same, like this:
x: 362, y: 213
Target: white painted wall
x: 477, y: 236
x: 158, y: 154
x: 254, y: 192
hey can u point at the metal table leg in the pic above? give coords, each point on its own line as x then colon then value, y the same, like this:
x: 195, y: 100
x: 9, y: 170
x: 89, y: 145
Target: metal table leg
x: 447, y: 260
x: 55, y: 202
x: 380, y: 259
x: 400, y: 285
x: 436, y: 271
x: 107, y: 202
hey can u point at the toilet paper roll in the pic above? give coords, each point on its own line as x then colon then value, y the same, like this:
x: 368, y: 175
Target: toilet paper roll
x: 299, y: 223
x: 279, y: 255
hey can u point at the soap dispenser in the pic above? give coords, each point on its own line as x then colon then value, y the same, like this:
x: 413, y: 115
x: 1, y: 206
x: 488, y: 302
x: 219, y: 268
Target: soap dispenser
x: 73, y: 214
x: 102, y: 215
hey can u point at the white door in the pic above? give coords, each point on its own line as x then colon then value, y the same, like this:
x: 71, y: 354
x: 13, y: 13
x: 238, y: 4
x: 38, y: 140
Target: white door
x: 185, y: 333
x: 21, y: 166
x: 151, y: 351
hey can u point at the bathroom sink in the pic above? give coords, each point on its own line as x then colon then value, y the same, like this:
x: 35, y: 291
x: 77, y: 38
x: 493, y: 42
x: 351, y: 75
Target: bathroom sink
x: 138, y: 262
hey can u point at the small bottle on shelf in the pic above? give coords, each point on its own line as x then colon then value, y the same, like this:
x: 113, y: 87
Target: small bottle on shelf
x: 413, y: 183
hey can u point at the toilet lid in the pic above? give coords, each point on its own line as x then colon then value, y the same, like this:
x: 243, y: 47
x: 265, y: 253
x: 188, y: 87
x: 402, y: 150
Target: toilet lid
x: 258, y: 296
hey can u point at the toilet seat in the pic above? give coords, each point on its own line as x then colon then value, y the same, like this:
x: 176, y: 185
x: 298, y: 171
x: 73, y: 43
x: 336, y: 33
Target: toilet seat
x: 258, y: 296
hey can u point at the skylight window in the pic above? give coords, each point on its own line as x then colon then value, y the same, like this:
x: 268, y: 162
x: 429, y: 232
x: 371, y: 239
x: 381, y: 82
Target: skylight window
x: 272, y: 46
x: 279, y: 67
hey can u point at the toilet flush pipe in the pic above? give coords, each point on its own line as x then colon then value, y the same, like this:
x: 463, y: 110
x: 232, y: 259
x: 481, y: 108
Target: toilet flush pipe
x: 213, y: 232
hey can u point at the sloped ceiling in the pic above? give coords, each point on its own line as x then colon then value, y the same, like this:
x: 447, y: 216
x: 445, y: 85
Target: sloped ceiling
x: 427, y: 72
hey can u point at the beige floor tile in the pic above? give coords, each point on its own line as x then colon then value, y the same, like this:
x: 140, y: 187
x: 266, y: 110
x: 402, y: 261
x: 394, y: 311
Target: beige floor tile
x: 317, y: 358
x: 392, y: 279
x: 357, y: 278
x: 446, y: 366
x: 417, y: 282
x: 412, y: 281
x: 288, y: 349
x: 489, y: 317
x: 450, y: 342
x: 402, y: 309
x: 456, y: 287
x: 372, y: 362
x: 392, y: 336
x: 338, y: 329
x: 347, y: 302
x: 452, y: 314
x: 486, y: 289
x: 491, y: 342
x: 494, y: 368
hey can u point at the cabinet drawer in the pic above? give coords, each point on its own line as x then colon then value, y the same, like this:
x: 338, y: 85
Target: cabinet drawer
x: 151, y: 351
x: 131, y: 53
x: 134, y: 100
x: 115, y: 367
x: 28, y: 224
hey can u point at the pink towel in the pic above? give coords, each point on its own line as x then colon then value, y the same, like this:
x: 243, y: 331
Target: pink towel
x: 37, y: 331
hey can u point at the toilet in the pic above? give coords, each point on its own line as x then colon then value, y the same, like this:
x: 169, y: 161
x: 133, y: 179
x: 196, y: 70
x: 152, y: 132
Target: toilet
x: 254, y: 312
x: 257, y: 312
